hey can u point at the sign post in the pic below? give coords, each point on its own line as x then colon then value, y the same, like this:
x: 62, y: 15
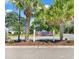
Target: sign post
x: 53, y: 35
x: 34, y: 35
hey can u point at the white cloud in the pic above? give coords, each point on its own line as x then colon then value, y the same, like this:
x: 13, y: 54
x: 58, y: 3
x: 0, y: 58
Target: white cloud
x: 8, y: 10
x: 47, y: 6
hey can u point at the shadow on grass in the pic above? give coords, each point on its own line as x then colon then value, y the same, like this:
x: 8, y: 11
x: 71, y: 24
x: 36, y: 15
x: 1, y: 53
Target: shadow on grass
x: 52, y: 41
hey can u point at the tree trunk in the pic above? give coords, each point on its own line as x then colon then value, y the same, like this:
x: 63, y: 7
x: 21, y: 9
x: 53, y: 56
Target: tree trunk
x: 6, y: 35
x: 28, y: 16
x: 61, y: 31
x: 27, y: 28
x: 19, y: 28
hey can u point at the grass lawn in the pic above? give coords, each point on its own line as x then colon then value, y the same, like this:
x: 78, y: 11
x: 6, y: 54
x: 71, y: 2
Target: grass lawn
x: 23, y: 35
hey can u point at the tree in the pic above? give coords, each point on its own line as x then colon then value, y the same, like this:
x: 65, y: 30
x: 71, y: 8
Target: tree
x: 11, y: 21
x: 46, y: 19
x: 69, y: 27
x: 27, y: 6
x: 40, y: 25
x: 61, y: 11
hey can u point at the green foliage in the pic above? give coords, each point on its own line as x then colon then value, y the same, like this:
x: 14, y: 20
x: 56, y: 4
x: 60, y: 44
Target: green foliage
x: 47, y: 18
x: 40, y: 25
x: 11, y: 21
x: 50, y: 18
x: 69, y: 27
x: 62, y: 10
x: 27, y: 6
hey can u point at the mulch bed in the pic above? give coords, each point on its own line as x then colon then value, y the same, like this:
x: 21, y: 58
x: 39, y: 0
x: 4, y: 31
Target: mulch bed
x: 42, y: 43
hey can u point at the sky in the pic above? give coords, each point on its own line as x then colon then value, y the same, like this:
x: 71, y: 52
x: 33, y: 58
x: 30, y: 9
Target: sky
x: 47, y: 2
x: 9, y: 7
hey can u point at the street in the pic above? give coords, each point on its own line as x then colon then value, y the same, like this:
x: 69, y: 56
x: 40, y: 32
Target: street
x: 39, y: 53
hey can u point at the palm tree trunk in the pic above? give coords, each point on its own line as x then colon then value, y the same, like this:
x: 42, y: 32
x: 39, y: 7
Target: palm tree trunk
x: 28, y: 16
x: 61, y: 31
x: 27, y: 28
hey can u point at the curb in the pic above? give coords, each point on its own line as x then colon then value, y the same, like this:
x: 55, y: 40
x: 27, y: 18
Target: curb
x: 39, y: 46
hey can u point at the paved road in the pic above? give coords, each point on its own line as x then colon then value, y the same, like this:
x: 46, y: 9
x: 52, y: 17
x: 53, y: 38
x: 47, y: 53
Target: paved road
x: 39, y: 53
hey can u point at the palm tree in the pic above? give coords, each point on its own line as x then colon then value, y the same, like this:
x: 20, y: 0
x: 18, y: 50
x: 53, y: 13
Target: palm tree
x: 27, y: 6
x: 61, y: 11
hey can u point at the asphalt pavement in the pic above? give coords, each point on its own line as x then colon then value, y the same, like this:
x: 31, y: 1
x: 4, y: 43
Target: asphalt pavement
x: 39, y: 53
